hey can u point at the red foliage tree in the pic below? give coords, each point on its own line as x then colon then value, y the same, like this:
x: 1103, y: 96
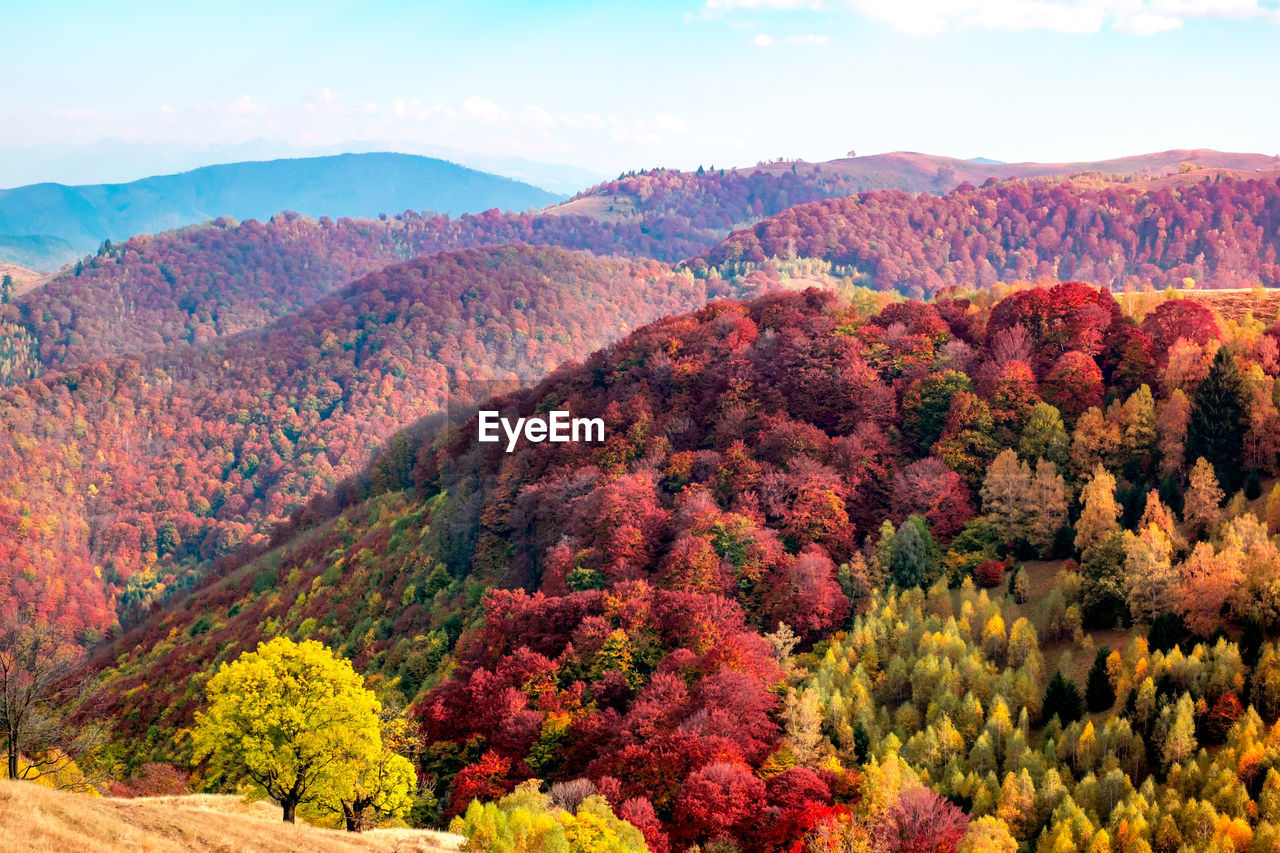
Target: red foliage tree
x: 719, y: 800
x: 921, y: 821
x: 487, y: 779
x: 1179, y: 318
x: 1074, y: 384
x: 638, y: 812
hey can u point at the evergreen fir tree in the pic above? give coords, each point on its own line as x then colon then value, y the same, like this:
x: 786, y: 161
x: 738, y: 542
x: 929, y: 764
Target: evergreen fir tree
x: 1099, y: 695
x: 1217, y: 425
x: 915, y: 555
x: 1062, y: 699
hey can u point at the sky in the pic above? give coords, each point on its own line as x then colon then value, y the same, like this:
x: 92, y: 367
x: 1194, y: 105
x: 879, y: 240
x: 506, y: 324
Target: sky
x: 613, y: 86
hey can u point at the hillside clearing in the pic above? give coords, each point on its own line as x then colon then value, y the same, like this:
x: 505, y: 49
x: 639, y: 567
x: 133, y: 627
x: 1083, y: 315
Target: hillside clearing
x: 37, y: 818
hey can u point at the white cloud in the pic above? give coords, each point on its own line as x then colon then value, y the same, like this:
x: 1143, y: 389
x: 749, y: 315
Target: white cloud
x: 763, y: 40
x: 1147, y: 24
x: 668, y: 123
x: 539, y: 116
x: 245, y: 105
x: 78, y: 114
x: 1137, y: 17
x: 809, y: 39
x: 484, y: 109
x: 582, y: 121
x: 720, y: 6
x: 400, y: 108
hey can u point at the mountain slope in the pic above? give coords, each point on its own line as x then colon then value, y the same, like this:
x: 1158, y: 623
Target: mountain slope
x: 902, y: 170
x: 915, y: 172
x: 120, y: 476
x: 347, y: 185
x: 599, y: 611
x: 37, y: 251
x: 1220, y: 232
x: 749, y: 448
x: 223, y: 278
x: 209, y: 281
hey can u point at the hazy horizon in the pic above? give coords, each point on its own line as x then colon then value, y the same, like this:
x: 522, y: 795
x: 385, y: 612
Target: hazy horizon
x: 608, y: 88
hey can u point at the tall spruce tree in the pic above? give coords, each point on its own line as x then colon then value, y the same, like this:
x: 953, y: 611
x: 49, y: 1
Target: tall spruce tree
x: 915, y: 555
x: 1099, y: 695
x: 1062, y: 699
x: 1217, y: 424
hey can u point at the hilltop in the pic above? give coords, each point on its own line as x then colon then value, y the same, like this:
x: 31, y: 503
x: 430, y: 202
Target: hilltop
x: 1220, y: 232
x: 23, y: 279
x: 345, y: 185
x: 37, y: 818
x: 916, y: 172
x: 629, y: 195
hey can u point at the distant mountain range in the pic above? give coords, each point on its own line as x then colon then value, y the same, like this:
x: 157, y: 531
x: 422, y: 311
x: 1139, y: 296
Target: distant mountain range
x: 43, y: 226
x: 116, y: 161
x: 916, y: 172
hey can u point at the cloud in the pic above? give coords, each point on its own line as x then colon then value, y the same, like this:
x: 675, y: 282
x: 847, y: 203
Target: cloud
x: 483, y: 109
x: 582, y: 121
x: 1147, y: 24
x: 245, y: 105
x: 539, y: 116
x: 78, y: 114
x: 721, y: 6
x: 668, y: 123
x: 763, y: 40
x: 1135, y: 17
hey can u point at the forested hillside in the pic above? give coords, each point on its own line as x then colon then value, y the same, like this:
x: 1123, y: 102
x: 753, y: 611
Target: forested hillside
x: 225, y: 277
x: 119, y: 477
x: 752, y: 614
x: 205, y: 282
x: 1221, y: 233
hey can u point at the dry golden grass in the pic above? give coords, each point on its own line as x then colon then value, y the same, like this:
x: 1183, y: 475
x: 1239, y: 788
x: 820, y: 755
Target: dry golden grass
x: 36, y: 818
x: 603, y: 208
x: 23, y: 278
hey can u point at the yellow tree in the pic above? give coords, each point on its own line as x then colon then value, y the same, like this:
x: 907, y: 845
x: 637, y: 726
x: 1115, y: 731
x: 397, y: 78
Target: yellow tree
x: 1206, y: 582
x: 1048, y: 510
x: 1096, y: 441
x: 1202, y: 505
x: 1138, y: 420
x: 1045, y: 437
x: 1171, y: 425
x: 988, y: 834
x: 1150, y: 578
x: 292, y: 721
x: 1100, y: 513
x: 1006, y: 495
x: 1273, y: 510
x: 384, y: 786
x: 1155, y: 512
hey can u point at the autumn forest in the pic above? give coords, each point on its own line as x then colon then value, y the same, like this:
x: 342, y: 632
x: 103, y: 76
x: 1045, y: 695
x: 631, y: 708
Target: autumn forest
x: 938, y: 521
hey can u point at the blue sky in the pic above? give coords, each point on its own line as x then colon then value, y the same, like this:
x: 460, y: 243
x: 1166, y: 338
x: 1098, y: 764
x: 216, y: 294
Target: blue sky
x: 615, y: 86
